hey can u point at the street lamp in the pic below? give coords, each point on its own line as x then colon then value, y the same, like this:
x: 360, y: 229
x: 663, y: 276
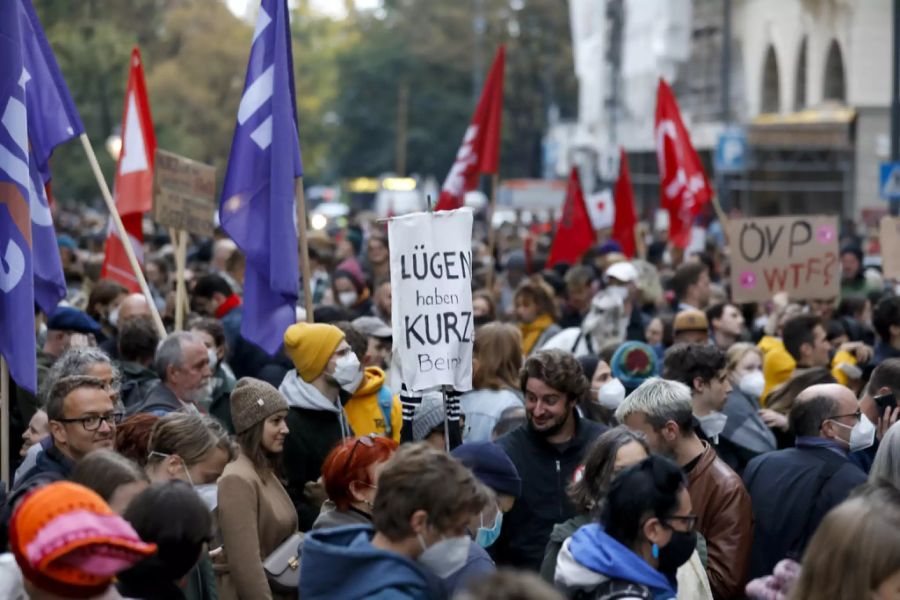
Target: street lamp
x: 114, y: 143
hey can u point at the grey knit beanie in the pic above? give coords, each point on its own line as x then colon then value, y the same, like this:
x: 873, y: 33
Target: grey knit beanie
x: 429, y: 415
x: 253, y: 401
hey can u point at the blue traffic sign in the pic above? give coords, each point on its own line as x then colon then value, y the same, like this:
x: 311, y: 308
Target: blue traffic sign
x: 731, y: 150
x: 889, y: 181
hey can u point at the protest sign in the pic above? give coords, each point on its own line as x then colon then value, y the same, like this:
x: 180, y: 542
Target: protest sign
x: 431, y: 284
x: 797, y: 255
x: 184, y: 193
x: 889, y: 238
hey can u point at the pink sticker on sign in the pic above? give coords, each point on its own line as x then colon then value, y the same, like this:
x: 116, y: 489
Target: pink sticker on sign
x: 825, y: 234
x: 748, y: 280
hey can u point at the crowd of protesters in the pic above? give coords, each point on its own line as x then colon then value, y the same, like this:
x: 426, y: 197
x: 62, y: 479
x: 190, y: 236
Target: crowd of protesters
x: 630, y: 433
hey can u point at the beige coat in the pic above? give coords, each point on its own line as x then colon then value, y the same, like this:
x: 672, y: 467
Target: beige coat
x: 255, y: 516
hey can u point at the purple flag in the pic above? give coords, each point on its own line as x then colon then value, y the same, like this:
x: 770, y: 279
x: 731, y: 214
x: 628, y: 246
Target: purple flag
x: 17, y: 339
x: 52, y: 120
x: 257, y: 208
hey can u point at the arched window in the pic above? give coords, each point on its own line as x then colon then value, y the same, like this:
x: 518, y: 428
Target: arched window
x: 800, y: 80
x: 835, y: 88
x: 771, y: 90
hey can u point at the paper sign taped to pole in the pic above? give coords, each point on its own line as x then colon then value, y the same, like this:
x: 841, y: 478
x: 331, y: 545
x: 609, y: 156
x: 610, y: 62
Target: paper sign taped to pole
x: 889, y: 238
x: 798, y: 255
x: 184, y: 193
x: 431, y: 285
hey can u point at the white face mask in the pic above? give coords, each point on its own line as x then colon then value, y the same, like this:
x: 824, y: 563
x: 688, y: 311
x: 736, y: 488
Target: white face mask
x: 353, y: 385
x: 713, y: 424
x: 347, y: 299
x: 209, y: 493
x: 618, y: 291
x: 346, y: 369
x: 611, y: 394
x: 113, y: 317
x: 213, y: 359
x: 753, y: 383
x: 862, y: 435
x: 446, y: 557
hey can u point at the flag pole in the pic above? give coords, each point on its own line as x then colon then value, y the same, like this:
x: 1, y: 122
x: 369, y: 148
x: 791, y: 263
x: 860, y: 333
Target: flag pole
x: 492, y: 237
x: 4, y: 417
x: 120, y: 230
x: 180, y: 291
x: 306, y: 273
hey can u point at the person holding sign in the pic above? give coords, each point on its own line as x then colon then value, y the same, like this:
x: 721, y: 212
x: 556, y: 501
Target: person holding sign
x: 324, y: 375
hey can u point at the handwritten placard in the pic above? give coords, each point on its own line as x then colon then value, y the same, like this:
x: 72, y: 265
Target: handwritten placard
x: 431, y: 283
x: 889, y: 238
x: 184, y: 193
x: 797, y: 255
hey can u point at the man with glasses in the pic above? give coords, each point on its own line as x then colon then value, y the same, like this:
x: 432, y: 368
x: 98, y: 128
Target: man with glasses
x: 82, y: 417
x: 663, y: 411
x: 792, y: 489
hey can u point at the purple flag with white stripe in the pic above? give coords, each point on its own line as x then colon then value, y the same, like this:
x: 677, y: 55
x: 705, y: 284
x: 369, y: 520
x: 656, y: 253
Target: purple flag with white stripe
x: 257, y: 208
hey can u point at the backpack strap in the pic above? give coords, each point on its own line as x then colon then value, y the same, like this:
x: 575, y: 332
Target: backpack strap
x: 386, y: 403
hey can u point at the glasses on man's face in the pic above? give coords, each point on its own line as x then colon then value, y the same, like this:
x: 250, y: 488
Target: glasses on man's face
x: 689, y: 520
x: 92, y: 422
x: 365, y: 440
x: 856, y: 415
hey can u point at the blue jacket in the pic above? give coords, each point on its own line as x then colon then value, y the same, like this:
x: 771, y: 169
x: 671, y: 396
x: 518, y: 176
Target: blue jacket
x: 342, y: 564
x: 592, y: 551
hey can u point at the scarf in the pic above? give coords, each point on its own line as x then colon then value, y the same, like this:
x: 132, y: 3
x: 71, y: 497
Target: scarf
x: 531, y: 332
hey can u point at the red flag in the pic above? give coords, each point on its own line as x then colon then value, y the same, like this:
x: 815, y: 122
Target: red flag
x: 574, y: 232
x: 480, y: 149
x: 684, y: 188
x: 626, y: 219
x: 134, y: 177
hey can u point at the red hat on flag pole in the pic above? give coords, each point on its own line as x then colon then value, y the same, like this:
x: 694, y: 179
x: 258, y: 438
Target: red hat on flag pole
x: 134, y: 176
x: 574, y: 233
x: 626, y: 218
x: 684, y: 188
x: 480, y: 149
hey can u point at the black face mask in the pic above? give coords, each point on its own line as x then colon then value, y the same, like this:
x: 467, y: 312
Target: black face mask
x: 677, y: 552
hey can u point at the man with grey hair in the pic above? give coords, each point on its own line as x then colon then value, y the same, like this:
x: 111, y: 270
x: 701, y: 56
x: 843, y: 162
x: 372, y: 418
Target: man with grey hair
x: 793, y: 489
x: 183, y: 366
x: 662, y: 410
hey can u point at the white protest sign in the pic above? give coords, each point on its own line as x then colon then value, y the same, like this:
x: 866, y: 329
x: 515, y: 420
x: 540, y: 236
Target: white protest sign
x: 431, y: 286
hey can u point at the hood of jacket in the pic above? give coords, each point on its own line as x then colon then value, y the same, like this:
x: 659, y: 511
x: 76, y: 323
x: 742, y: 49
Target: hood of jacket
x: 590, y: 557
x: 300, y: 394
x: 373, y: 380
x: 342, y: 564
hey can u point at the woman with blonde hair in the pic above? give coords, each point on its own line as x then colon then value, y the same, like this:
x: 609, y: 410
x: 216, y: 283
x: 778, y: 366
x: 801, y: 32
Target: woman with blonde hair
x: 745, y: 429
x: 536, y: 313
x: 496, y: 361
x: 855, y: 552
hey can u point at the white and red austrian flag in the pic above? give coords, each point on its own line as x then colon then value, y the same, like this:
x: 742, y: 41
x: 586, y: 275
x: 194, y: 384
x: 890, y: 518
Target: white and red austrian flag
x: 431, y: 283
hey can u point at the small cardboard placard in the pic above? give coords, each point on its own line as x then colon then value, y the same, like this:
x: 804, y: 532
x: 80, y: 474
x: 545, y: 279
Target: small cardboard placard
x: 889, y: 238
x: 798, y: 255
x: 184, y: 192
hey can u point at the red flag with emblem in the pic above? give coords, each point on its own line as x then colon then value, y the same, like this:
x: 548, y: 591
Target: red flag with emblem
x: 134, y: 177
x: 684, y: 188
x: 626, y: 219
x: 574, y: 232
x: 480, y: 149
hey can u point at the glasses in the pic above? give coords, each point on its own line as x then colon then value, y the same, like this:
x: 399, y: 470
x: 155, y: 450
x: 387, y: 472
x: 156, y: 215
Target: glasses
x: 92, y: 422
x: 365, y: 440
x: 856, y: 415
x: 689, y: 520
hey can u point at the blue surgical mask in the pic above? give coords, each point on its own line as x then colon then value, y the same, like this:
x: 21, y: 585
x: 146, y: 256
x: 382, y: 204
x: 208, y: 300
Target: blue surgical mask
x: 487, y: 536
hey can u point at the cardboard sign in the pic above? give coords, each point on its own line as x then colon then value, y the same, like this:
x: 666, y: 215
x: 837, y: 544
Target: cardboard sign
x: 889, y: 238
x: 184, y: 192
x: 431, y: 283
x: 798, y: 255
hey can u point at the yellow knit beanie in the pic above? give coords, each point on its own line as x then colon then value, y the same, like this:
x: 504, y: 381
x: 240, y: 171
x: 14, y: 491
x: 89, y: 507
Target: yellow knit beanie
x: 310, y: 346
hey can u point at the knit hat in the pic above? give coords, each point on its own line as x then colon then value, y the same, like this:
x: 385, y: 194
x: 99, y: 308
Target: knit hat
x: 351, y: 270
x: 690, y: 320
x: 633, y: 363
x: 68, y: 542
x: 252, y: 401
x: 310, y: 346
x: 778, y: 366
x: 429, y: 415
x: 66, y: 318
x: 490, y: 464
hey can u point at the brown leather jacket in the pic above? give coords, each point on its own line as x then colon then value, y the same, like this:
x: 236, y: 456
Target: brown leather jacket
x: 726, y: 521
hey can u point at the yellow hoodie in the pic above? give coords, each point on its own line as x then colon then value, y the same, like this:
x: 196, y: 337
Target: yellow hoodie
x: 363, y: 412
